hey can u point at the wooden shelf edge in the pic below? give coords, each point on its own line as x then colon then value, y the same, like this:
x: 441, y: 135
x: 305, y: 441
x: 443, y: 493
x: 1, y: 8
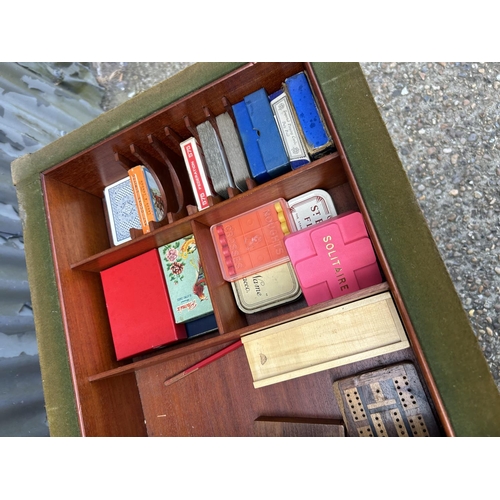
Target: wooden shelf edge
x: 106, y: 258
x: 186, y: 349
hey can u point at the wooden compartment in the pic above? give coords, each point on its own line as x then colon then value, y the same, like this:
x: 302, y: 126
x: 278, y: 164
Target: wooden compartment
x: 128, y: 398
x: 74, y: 202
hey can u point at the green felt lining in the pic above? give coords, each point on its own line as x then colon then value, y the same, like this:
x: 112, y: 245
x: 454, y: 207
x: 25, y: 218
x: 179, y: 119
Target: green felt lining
x: 59, y: 394
x: 57, y: 384
x: 457, y: 364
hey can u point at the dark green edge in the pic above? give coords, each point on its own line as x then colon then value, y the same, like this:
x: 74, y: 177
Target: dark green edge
x: 56, y: 376
x: 462, y: 376
x: 60, y: 402
x: 459, y: 369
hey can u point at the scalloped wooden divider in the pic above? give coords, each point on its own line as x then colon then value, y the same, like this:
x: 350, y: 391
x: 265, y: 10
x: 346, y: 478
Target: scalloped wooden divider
x: 127, y: 164
x: 181, y: 186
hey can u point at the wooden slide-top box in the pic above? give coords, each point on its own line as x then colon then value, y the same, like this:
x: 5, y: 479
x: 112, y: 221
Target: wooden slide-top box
x: 338, y: 336
x: 90, y: 393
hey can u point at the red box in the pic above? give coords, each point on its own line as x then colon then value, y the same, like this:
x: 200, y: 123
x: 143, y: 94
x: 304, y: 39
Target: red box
x: 139, y: 309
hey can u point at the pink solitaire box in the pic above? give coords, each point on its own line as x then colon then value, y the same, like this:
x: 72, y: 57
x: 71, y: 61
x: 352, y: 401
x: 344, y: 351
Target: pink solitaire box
x: 333, y: 258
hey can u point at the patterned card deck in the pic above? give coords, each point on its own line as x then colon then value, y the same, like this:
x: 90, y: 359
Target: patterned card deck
x: 122, y: 210
x: 216, y: 159
x: 234, y: 150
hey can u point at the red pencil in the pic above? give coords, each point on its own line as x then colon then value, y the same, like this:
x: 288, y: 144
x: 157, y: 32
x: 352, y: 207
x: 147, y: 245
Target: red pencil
x: 204, y: 362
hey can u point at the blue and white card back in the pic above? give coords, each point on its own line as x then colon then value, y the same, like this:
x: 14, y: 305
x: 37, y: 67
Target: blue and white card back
x: 122, y: 210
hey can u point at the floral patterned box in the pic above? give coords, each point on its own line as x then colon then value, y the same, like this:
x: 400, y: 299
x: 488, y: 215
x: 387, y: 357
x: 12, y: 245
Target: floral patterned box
x: 185, y: 279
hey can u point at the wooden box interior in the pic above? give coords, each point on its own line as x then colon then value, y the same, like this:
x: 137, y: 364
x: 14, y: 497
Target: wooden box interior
x: 128, y: 398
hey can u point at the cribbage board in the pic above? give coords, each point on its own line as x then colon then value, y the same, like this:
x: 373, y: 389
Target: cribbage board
x: 389, y: 402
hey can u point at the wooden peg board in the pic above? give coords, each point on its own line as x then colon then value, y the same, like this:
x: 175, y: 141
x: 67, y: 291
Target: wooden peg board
x: 385, y: 403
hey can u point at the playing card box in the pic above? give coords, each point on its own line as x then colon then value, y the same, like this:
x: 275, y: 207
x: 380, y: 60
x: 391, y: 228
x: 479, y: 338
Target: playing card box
x: 147, y: 197
x: 201, y: 326
x: 308, y: 116
x: 185, y: 277
x: 201, y: 182
x: 138, y: 306
x: 287, y: 126
x: 260, y: 136
x: 122, y: 214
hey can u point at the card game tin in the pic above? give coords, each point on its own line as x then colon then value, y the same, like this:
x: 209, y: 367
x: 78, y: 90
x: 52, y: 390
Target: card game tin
x: 253, y: 241
x: 269, y: 288
x: 333, y: 258
x: 311, y: 208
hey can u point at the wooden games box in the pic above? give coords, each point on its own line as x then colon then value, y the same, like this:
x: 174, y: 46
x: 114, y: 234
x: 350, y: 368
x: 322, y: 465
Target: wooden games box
x: 60, y: 189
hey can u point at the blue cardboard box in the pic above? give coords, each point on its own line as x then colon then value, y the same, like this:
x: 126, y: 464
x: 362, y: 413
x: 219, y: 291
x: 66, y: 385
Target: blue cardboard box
x: 308, y: 115
x: 260, y: 136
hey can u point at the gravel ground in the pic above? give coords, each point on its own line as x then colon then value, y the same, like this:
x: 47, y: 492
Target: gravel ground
x: 444, y: 121
x: 123, y: 80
